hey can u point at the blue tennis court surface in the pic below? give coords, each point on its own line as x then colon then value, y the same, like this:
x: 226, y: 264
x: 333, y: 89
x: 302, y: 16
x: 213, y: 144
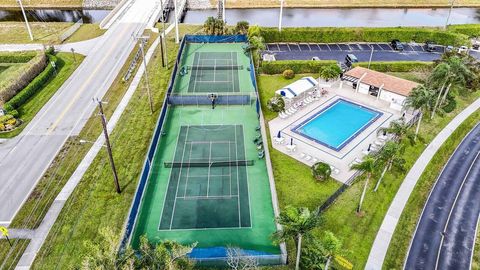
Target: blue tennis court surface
x: 337, y: 124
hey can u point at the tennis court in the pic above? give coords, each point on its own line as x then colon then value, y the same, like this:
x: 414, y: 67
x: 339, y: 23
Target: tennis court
x: 214, y: 72
x: 208, y: 182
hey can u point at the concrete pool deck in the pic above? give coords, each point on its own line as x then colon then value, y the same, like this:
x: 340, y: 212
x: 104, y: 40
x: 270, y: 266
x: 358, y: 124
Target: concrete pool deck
x: 309, y: 152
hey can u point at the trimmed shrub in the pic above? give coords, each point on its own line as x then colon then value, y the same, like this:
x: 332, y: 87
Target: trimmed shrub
x: 276, y: 104
x: 471, y: 30
x: 17, y: 57
x: 298, y: 66
x: 21, y: 77
x: 288, y: 74
x: 450, y: 106
x: 400, y: 66
x: 32, y: 88
x: 363, y: 34
x: 321, y: 171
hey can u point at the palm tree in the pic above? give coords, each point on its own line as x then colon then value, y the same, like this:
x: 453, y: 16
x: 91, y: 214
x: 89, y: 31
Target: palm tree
x: 331, y: 247
x: 297, y: 222
x: 366, y: 166
x: 330, y: 72
x: 242, y: 27
x: 391, y: 156
x: 400, y: 130
x: 420, y: 99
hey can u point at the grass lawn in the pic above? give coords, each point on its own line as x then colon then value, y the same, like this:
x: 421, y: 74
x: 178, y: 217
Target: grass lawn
x: 27, y: 111
x: 9, y: 256
x: 476, y: 254
x: 45, y: 33
x: 293, y: 179
x: 65, y: 163
x: 345, y: 3
x: 43, y: 4
x: 94, y: 203
x: 409, y: 218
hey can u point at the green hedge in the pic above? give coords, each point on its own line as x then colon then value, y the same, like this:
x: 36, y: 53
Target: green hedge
x: 331, y: 34
x: 471, y: 30
x: 17, y: 57
x: 33, y: 87
x: 298, y: 66
x: 400, y: 66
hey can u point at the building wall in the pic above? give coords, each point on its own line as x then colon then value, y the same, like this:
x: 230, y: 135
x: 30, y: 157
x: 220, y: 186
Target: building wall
x: 396, y: 100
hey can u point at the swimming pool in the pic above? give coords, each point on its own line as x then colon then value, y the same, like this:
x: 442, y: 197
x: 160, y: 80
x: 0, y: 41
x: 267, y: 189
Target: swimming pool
x: 337, y: 124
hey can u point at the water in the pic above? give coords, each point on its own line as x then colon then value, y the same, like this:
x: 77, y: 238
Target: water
x: 55, y: 15
x: 338, y: 124
x: 342, y: 17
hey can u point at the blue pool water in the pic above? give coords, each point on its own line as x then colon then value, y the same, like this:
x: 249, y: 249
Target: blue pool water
x: 337, y: 124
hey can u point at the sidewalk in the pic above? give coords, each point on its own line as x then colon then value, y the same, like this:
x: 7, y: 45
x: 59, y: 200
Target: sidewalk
x: 385, y: 233
x: 39, y: 235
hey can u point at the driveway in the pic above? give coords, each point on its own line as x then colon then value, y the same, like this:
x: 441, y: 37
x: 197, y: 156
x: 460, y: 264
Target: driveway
x: 338, y: 51
x: 445, y: 234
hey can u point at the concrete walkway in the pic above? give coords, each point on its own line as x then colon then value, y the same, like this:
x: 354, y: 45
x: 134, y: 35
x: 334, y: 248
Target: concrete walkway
x: 82, y: 47
x: 39, y: 235
x: 385, y: 233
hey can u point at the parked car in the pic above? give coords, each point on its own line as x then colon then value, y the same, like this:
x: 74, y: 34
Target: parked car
x: 350, y: 59
x: 463, y: 49
x: 315, y: 58
x: 476, y: 46
x: 449, y: 48
x: 396, y: 45
x: 430, y: 46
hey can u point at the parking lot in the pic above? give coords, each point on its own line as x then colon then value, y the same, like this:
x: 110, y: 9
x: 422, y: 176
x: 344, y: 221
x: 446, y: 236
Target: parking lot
x: 337, y: 51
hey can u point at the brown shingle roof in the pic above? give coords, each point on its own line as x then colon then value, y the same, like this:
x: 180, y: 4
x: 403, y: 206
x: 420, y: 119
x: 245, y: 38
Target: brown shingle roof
x: 390, y: 83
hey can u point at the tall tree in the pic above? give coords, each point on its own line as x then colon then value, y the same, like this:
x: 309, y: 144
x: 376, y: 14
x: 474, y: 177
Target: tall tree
x: 297, y: 222
x: 391, y: 156
x: 400, y: 130
x: 420, y: 99
x: 331, y: 247
x: 242, y: 27
x: 367, y: 166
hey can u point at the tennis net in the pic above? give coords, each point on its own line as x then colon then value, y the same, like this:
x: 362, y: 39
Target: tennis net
x: 215, y: 67
x: 209, y: 164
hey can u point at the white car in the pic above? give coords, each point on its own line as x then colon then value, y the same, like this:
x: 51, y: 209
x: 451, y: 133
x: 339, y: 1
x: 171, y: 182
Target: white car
x: 315, y: 58
x: 463, y: 49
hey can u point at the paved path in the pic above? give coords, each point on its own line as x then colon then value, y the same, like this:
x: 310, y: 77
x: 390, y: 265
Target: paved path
x: 39, y: 235
x: 446, y: 232
x: 384, y: 235
x: 25, y: 158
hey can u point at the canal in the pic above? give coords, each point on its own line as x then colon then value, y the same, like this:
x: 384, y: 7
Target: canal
x: 342, y: 17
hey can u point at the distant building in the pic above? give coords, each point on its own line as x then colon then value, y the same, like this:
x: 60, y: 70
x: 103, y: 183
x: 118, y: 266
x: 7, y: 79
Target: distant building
x: 380, y: 85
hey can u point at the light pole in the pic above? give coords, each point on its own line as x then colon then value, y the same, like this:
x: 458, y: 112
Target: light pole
x: 109, y: 147
x: 223, y: 12
x: 449, y: 13
x: 177, y: 39
x: 163, y: 38
x: 371, y: 54
x: 280, y: 18
x: 73, y: 53
x: 142, y: 40
x: 26, y: 21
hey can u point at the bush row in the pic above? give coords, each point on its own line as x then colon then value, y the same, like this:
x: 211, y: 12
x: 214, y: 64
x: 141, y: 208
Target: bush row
x: 471, y: 30
x: 331, y: 34
x: 21, y: 77
x: 298, y: 66
x: 32, y: 87
x: 17, y: 57
x: 400, y: 66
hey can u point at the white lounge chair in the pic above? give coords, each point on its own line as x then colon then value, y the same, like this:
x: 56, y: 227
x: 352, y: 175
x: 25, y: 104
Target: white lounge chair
x: 308, y: 158
x: 334, y: 170
x: 302, y: 155
x: 378, y: 143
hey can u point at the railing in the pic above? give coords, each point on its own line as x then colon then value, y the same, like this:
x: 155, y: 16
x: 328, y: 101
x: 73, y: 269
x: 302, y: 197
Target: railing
x: 134, y: 62
x: 69, y: 32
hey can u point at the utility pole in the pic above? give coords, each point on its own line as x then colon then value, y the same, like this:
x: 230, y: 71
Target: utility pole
x: 371, y: 54
x: 177, y: 39
x: 449, y: 13
x: 73, y: 53
x: 26, y: 21
x: 163, y: 45
x: 280, y: 18
x: 142, y: 40
x: 109, y: 148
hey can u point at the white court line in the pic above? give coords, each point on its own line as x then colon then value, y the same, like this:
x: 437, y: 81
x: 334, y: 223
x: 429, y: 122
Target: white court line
x: 216, y: 197
x: 238, y: 184
x: 188, y: 172
x: 209, y: 167
x: 179, y: 177
x: 196, y: 75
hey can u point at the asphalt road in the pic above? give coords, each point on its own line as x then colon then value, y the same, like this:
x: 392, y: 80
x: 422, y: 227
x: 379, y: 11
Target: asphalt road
x: 338, y: 51
x: 24, y: 159
x: 445, y: 234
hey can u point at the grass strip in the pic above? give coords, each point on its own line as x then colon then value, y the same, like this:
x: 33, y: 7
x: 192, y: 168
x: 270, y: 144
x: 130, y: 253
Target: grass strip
x: 411, y: 214
x: 65, y: 67
x: 10, y: 255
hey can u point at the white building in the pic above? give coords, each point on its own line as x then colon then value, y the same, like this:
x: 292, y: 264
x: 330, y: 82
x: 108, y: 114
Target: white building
x: 380, y: 85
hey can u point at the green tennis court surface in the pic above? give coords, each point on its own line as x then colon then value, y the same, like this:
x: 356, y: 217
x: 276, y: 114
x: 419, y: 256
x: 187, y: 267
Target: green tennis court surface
x: 214, y: 195
x: 207, y: 183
